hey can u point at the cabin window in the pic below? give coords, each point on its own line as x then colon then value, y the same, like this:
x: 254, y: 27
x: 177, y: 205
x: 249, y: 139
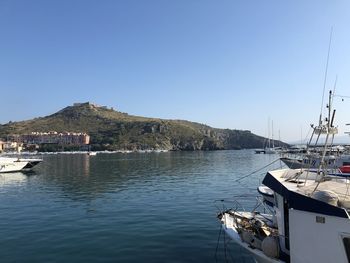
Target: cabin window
x: 346, y: 241
x: 320, y: 219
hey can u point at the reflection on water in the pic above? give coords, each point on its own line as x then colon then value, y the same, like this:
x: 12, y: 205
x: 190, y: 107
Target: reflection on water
x: 12, y: 179
x: 84, y: 176
x: 155, y: 207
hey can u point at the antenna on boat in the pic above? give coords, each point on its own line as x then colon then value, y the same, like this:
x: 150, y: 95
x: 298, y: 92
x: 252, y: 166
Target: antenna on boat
x: 320, y: 129
x: 325, y: 75
x: 342, y: 97
x: 332, y: 120
x: 334, y: 87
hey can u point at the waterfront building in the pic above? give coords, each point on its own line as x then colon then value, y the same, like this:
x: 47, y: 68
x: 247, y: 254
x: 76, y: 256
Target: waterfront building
x: 11, y: 146
x: 53, y: 137
x: 1, y: 146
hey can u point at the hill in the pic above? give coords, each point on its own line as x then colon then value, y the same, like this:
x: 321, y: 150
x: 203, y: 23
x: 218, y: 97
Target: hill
x: 114, y: 130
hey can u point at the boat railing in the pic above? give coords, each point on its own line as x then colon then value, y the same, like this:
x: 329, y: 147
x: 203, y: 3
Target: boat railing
x: 260, y: 206
x: 231, y: 204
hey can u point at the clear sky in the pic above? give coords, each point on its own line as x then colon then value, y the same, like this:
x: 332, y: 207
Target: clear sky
x: 228, y: 63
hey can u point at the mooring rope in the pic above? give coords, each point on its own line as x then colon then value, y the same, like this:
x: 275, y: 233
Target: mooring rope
x: 226, y: 249
x: 217, y: 245
x: 247, y: 175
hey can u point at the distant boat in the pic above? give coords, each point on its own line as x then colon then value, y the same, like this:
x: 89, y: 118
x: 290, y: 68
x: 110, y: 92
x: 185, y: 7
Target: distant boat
x: 315, y: 161
x: 31, y: 163
x: 270, y: 151
x: 269, y: 147
x: 8, y: 164
x: 91, y: 153
x: 258, y: 151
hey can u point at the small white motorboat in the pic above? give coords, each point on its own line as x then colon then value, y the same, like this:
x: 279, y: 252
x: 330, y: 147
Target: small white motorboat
x: 257, y: 233
x: 31, y: 163
x: 9, y: 164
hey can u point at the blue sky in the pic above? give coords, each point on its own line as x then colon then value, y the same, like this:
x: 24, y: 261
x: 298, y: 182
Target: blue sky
x: 228, y: 64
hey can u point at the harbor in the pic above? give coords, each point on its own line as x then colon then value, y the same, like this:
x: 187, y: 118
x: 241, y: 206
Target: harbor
x: 259, y: 219
x: 174, y: 131
x: 134, y: 207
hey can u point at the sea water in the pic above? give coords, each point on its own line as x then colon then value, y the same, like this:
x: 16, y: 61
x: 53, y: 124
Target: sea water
x: 136, y: 207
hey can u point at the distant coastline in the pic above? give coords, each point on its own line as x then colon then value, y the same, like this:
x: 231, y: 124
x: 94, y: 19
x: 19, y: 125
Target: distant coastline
x: 106, y: 129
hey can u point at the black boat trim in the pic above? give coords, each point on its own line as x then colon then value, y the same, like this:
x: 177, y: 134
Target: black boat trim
x: 302, y: 202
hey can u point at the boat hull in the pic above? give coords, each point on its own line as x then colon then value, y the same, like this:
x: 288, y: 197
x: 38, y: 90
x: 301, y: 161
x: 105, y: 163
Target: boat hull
x: 229, y: 226
x: 31, y: 163
x: 9, y: 167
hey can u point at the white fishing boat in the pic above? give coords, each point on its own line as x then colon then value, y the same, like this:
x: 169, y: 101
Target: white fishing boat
x: 314, y: 161
x: 310, y: 219
x: 307, y: 205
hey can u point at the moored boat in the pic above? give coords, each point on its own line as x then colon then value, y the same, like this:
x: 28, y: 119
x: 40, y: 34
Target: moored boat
x: 306, y: 205
x: 255, y: 232
x: 31, y: 163
x: 310, y: 219
x: 309, y: 161
x: 10, y: 164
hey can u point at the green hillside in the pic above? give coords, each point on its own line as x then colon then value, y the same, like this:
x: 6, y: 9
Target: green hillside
x: 113, y: 130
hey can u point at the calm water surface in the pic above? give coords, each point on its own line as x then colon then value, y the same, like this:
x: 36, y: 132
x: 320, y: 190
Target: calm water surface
x: 153, y: 207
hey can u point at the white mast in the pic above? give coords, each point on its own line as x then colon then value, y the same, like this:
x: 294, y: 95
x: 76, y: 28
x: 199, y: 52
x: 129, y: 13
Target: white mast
x: 273, y: 143
x: 268, y: 132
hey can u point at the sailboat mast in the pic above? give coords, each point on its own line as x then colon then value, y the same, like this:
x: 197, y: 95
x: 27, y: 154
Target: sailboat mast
x: 279, y: 138
x: 273, y: 143
x: 268, y: 132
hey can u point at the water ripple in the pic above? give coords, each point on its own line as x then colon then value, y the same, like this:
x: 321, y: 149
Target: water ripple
x: 122, y: 208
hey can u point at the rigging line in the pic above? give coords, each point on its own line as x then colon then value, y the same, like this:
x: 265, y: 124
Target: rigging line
x: 242, y: 253
x: 229, y: 253
x: 326, y: 72
x: 217, y: 245
x: 341, y: 96
x: 322, y: 167
x: 335, y: 85
x: 225, y: 247
x: 307, y: 135
x: 244, y: 176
